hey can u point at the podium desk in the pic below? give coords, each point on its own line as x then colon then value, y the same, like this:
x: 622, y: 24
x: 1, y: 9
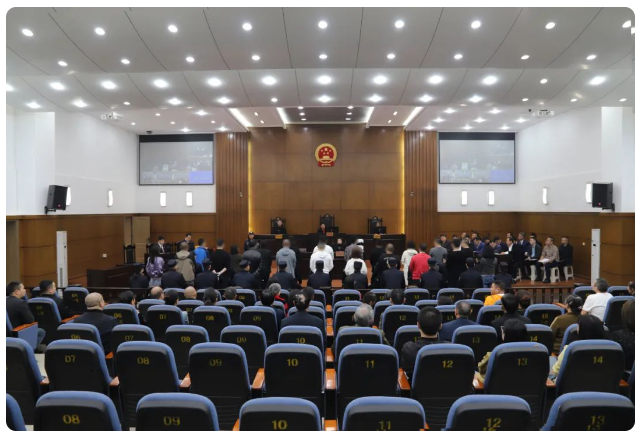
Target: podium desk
x: 307, y: 243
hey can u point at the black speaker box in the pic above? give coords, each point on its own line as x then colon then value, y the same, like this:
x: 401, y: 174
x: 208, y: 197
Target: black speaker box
x: 57, y: 197
x: 602, y: 195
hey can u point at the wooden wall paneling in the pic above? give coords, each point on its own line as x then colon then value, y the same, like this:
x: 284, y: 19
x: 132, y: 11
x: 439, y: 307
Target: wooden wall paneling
x: 232, y: 191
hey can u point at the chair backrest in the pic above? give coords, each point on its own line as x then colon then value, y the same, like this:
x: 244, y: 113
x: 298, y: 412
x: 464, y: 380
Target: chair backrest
x: 541, y: 334
x: 144, y: 367
x: 77, y: 365
x: 602, y: 363
x: 591, y: 411
x: 488, y: 314
x: 201, y: 293
x: 312, y: 310
x: 246, y: 296
x: 213, y: 319
x: 74, y: 299
x: 79, y: 331
x: 145, y: 304
x: 355, y: 335
x: 234, y: 308
x: 189, y: 305
x: 583, y: 292
x: 447, y: 312
x: 279, y: 414
x: 413, y: 295
x: 176, y: 412
x: 346, y: 294
x: 252, y: 340
x: 613, y: 319
x: 617, y: 290
x: 396, y: 316
x: 344, y: 317
x: 277, y: 305
x: 308, y: 335
x: 543, y: 314
x: 378, y: 310
x: 23, y: 376
x: 481, y: 294
x: 181, y: 338
x: 480, y: 338
x: 161, y: 317
x: 264, y: 317
x: 15, y: 421
x: 454, y: 293
x: 318, y: 304
x: 122, y: 333
x: 423, y: 303
x: 570, y: 335
x: 125, y: 313
x: 45, y: 312
x: 383, y: 413
x: 343, y: 303
x: 76, y: 411
x: 320, y: 296
x: 380, y: 293
x: 489, y: 413
x: 405, y: 334
x: 476, y: 305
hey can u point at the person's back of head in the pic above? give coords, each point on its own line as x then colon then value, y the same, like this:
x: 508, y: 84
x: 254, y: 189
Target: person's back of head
x: 267, y: 298
x: 524, y: 298
x: 391, y: 262
x: 488, y: 253
x: 463, y: 308
x: 510, y: 303
x: 627, y: 315
x: 201, y: 241
x: 397, y: 296
x: 126, y: 297
x: 171, y: 298
x: 190, y: 293
x: 429, y: 321
x: 410, y: 245
x: 252, y: 243
x: 424, y: 246
x: 220, y: 243
x: 207, y: 264
x: 45, y: 285
x: 357, y: 265
x: 514, y: 331
x: 575, y: 303
x: 437, y: 242
x: 303, y: 298
x: 390, y: 248
x: 210, y: 296
x: 94, y: 301
x: 369, y: 298
x: 234, y: 249
x: 356, y: 252
x: 364, y: 316
x: 319, y: 265
x: 503, y: 267
x: 274, y: 289
x: 470, y: 262
x: 184, y: 246
x: 445, y: 300
x: 230, y: 293
x: 500, y: 285
x: 590, y: 327
x: 156, y: 293
x: 601, y: 285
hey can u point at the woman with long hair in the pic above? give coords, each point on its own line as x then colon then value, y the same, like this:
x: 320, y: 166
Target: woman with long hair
x: 154, y: 266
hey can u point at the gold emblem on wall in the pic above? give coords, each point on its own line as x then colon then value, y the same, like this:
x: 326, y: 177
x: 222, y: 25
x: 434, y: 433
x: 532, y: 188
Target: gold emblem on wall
x: 325, y: 154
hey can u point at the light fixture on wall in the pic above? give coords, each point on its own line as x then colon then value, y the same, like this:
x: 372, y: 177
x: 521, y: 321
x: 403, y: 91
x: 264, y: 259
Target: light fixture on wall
x: 110, y: 198
x: 545, y: 193
x: 463, y: 199
x: 68, y: 202
x: 188, y: 199
x: 588, y: 192
x: 492, y: 197
x: 163, y: 199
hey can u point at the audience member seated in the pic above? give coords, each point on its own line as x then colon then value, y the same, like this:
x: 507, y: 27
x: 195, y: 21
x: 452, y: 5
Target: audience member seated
x: 275, y: 290
x: 267, y: 299
x: 172, y: 278
x: 524, y: 301
x: 630, y: 288
x: 48, y: 291
x: 230, y: 293
x: 565, y: 254
x: 301, y: 300
x: 157, y: 293
x: 573, y: 305
x: 432, y: 279
x: 283, y: 277
x: 503, y: 274
x: 246, y: 279
x: 190, y: 293
x: 138, y: 281
x: 488, y: 264
x: 210, y: 297
x: 625, y: 336
x: 207, y: 278
x: 445, y: 300
x: 497, y: 291
x: 172, y: 298
x: 548, y: 258
x: 471, y: 278
x: 510, y: 307
x: 419, y: 265
x: 127, y: 298
x: 596, y: 303
x: 370, y: 299
x: 319, y: 279
x: 356, y: 280
x: 391, y: 277
x: 532, y: 256
x: 18, y: 311
x: 589, y: 328
x: 513, y: 331
x: 184, y: 264
x: 94, y: 316
x: 429, y: 322
x: 363, y: 318
x: 462, y: 313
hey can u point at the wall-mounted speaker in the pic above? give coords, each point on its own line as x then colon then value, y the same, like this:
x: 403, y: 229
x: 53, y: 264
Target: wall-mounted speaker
x: 56, y: 198
x: 602, y: 195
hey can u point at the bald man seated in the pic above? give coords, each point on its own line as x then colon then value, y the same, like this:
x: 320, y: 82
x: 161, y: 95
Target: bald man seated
x: 94, y: 316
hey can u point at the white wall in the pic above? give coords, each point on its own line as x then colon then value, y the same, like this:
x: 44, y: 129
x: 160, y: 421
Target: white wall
x: 562, y: 154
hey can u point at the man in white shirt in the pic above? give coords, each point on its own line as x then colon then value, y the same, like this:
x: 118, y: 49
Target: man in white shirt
x: 322, y: 246
x: 322, y: 254
x: 596, y: 303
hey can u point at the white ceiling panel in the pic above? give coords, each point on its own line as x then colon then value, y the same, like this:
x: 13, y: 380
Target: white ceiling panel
x: 17, y: 66
x: 230, y: 88
x: 22, y: 94
x: 193, y: 38
x: 380, y: 37
x: 310, y: 88
x: 269, y: 116
x: 625, y: 63
x: 455, y: 35
x: 581, y: 89
x: 125, y: 91
x: 284, y: 88
x: 237, y: 46
x: 73, y: 92
x: 365, y: 87
x: 441, y: 93
x: 473, y: 85
x: 160, y: 97
x: 339, y: 41
x: 396, y: 114
x: 529, y: 85
x: 615, y: 98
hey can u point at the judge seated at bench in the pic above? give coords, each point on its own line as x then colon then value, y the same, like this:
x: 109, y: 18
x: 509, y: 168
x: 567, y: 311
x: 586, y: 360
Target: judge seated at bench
x: 278, y: 227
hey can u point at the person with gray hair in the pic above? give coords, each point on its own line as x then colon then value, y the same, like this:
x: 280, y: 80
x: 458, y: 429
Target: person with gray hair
x: 95, y: 316
x: 364, y: 317
x: 275, y: 291
x: 462, y: 314
x: 596, y: 303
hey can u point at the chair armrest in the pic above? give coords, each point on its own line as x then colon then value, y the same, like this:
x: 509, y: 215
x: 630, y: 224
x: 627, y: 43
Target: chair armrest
x: 186, y: 383
x: 375, y: 327
x: 114, y: 383
x: 426, y: 427
x: 331, y: 384
x: 109, y: 356
x: 477, y: 385
x: 330, y: 358
x: 329, y: 331
x: 329, y: 308
x: 402, y: 381
x: 329, y: 321
x: 257, y: 384
x: 23, y: 327
x: 330, y: 425
x: 236, y: 426
x: 623, y: 383
x: 69, y: 319
x: 45, y: 381
x: 550, y: 384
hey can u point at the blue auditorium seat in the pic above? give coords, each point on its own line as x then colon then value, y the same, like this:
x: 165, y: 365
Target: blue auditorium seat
x: 489, y: 413
x: 541, y: 334
x: 234, y: 308
x: 145, y: 304
x: 405, y: 334
x: 454, y: 293
x: 181, y: 338
x: 543, y: 314
x: 76, y: 411
x: 355, y: 335
x: 383, y: 413
x: 612, y: 318
x: 252, y: 340
x: 481, y: 294
x: 583, y: 292
x: 74, y: 299
x: 161, y: 317
x: 14, y: 415
x: 213, y: 319
x: 79, y: 331
x: 591, y: 411
x: 45, y: 312
x: 303, y: 335
x: 122, y: 333
x: 413, y: 295
x: 263, y: 317
x: 23, y: 376
x: 447, y: 312
x: 28, y: 333
x: 279, y: 414
x: 488, y: 314
x: 346, y: 294
x: 480, y: 338
x: 77, y: 365
x: 247, y: 297
x: 176, y: 412
x: 396, y: 316
x: 124, y: 312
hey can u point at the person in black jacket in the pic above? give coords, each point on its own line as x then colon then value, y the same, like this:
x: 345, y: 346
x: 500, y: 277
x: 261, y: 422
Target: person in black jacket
x: 221, y: 262
x: 172, y: 278
x: 265, y: 265
x: 471, y: 278
x: 374, y: 257
x: 283, y: 278
x: 48, y: 291
x: 382, y: 263
x: 139, y: 282
x: 319, y: 279
x: 301, y: 300
x: 510, y: 306
x: 432, y: 280
x: 456, y: 263
x: 517, y: 253
x: 532, y: 255
x: 565, y: 255
x: 392, y: 277
x: 207, y: 278
x: 503, y: 275
x: 245, y: 279
x: 17, y: 309
x: 267, y: 299
x: 429, y: 323
x: 94, y: 316
x: 248, y: 243
x: 357, y: 280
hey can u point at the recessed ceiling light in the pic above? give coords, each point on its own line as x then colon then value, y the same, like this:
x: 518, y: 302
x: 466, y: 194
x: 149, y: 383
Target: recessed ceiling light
x: 33, y: 105
x: 391, y: 56
x: 9, y: 87
x: 622, y: 100
x: 125, y: 103
x: 274, y: 100
x: 426, y: 98
x: 525, y: 99
x: 550, y: 25
x: 457, y: 56
x: 172, y: 28
x: 174, y: 101
x: 399, y: 24
x: 124, y: 61
x: 479, y: 120
x: 99, y: 31
x: 262, y: 121
x: 504, y: 127
x: 324, y: 99
x: 160, y: 83
x: 591, y: 57
x: 449, y: 110
x: 627, y: 24
x: 201, y: 112
x: 521, y: 120
x: 213, y: 121
x: 303, y: 118
x: 350, y: 113
x: 300, y: 108
x: 429, y: 127
x: 323, y: 56
x: 256, y: 114
x: 185, y: 130
x: 109, y: 85
x: 133, y: 123
x: 223, y: 100
x: 375, y: 98
x: 389, y: 121
x: 435, y: 79
x: 324, y: 80
x: 350, y: 107
x: 269, y: 80
x: 463, y: 105
x: 524, y: 57
x: 475, y: 99
x: 223, y: 129
x: 632, y: 31
x: 214, y: 82
x: 322, y: 24
x: 573, y: 100
x: 475, y: 24
x: 158, y: 114
x: 495, y: 111
x: 27, y: 33
x: 348, y: 118
x: 256, y: 57
x: 380, y: 79
x: 57, y: 86
x: 438, y: 120
x: 395, y: 113
x: 543, y: 81
x: 79, y: 103
x: 302, y: 114
x: 467, y: 127
x: 189, y: 58
x: 247, y: 26
x: 62, y: 63
x: 490, y: 80
x: 172, y: 123
x: 597, y: 80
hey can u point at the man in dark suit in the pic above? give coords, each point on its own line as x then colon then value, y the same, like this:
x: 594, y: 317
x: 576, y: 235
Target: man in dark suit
x: 510, y: 307
x: 445, y: 242
x: 283, y: 278
x: 265, y: 265
x: 532, y: 255
x: 207, y: 278
x: 471, y: 278
x: 160, y: 245
x: 188, y: 239
x: 455, y: 264
x: 319, y: 279
x: 392, y: 277
x: 517, y: 253
x: 357, y: 280
x: 374, y: 257
x: 432, y: 280
x: 382, y: 262
x: 566, y: 255
x: 48, y: 291
x: 462, y: 312
x: 245, y: 279
x: 248, y: 244
x: 172, y: 278
x: 17, y: 309
x: 95, y: 316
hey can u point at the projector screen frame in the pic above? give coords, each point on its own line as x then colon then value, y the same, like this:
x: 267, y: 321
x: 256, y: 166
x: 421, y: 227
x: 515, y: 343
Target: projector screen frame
x: 475, y: 136
x: 179, y: 138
